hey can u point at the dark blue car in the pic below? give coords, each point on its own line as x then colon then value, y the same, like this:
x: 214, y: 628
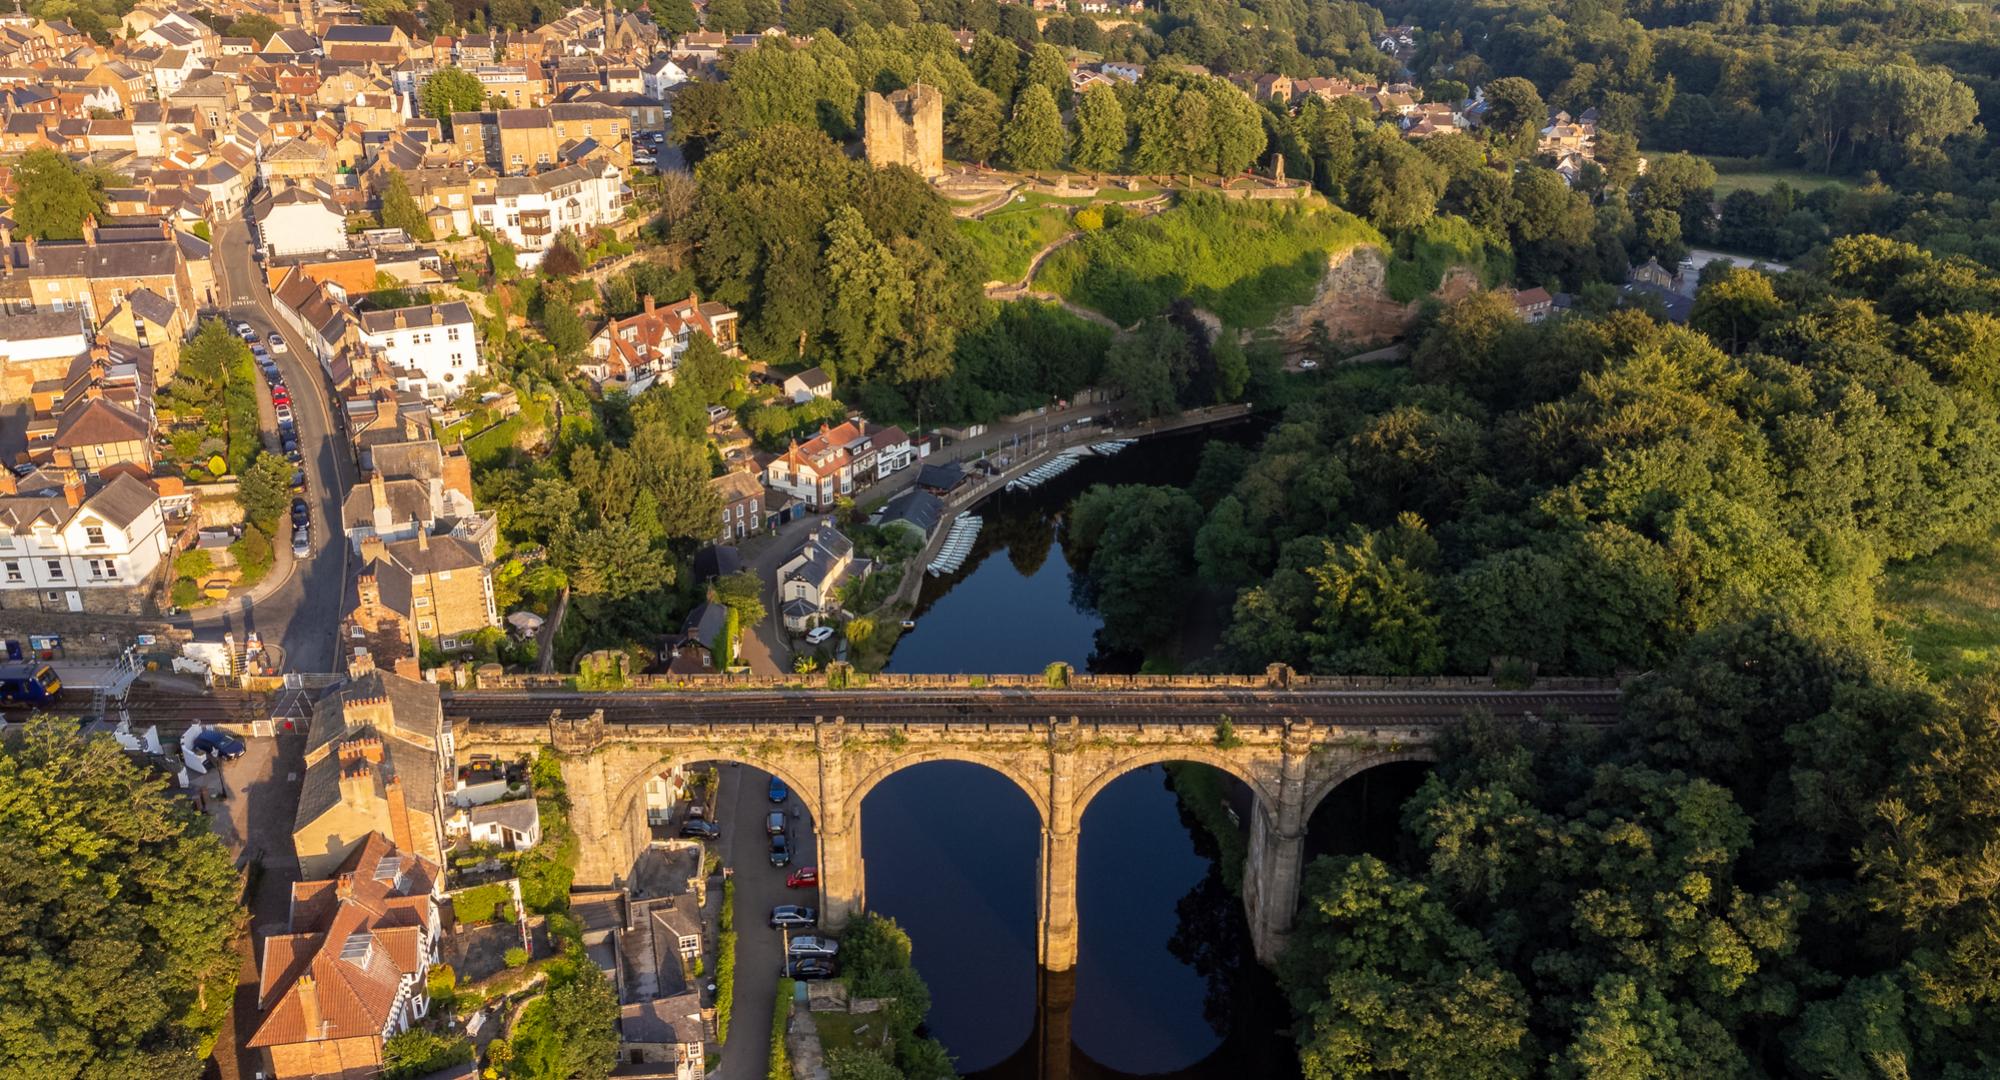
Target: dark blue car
x: 779, y: 792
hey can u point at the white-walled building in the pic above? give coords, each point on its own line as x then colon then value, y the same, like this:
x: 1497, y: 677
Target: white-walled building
x: 299, y: 221
x: 531, y: 210
x: 64, y: 550
x: 661, y: 75
x: 430, y: 348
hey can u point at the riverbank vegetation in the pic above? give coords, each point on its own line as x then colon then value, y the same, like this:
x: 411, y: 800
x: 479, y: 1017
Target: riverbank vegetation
x: 875, y: 958
x: 1776, y: 864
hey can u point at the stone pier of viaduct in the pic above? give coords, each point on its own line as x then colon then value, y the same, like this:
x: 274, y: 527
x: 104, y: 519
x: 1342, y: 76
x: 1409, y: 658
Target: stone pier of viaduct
x: 1291, y: 746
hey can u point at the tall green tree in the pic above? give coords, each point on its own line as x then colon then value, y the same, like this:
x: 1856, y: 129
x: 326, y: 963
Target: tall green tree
x: 451, y: 90
x: 870, y: 293
x: 1100, y: 131
x: 53, y: 197
x: 973, y: 125
x: 400, y: 209
x: 1035, y: 137
x: 117, y: 907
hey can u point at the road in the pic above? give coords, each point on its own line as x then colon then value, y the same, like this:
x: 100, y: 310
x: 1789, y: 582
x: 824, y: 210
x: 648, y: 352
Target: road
x: 759, y: 888
x: 300, y: 610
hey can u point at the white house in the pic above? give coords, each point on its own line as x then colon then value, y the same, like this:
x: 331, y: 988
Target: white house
x: 173, y: 69
x: 299, y: 221
x: 632, y: 354
x: 531, y: 210
x: 809, y: 580
x: 430, y: 348
x: 660, y: 76
x: 64, y: 550
x: 512, y: 826
x: 808, y: 384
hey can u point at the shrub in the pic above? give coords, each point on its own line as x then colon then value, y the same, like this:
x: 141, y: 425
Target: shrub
x: 194, y: 563
x: 253, y: 556
x: 781, y: 1065
x: 515, y: 957
x: 186, y: 593
x: 1090, y: 219
x: 482, y: 904
x: 420, y: 1052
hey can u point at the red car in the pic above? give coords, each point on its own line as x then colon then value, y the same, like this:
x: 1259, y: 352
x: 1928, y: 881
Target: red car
x: 281, y: 397
x: 805, y: 877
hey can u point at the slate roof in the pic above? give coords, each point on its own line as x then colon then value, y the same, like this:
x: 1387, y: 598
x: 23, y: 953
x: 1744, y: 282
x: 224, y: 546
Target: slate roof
x: 409, y: 745
x: 663, y: 1020
x: 917, y: 507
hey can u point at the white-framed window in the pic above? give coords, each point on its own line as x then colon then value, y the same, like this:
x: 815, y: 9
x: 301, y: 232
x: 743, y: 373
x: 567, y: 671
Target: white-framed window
x: 423, y: 624
x: 14, y: 573
x: 444, y: 575
x: 423, y: 601
x: 55, y: 569
x: 94, y: 534
x: 104, y: 569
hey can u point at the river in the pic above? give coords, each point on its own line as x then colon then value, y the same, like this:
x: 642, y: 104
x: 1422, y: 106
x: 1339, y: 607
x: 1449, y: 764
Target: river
x: 1165, y: 983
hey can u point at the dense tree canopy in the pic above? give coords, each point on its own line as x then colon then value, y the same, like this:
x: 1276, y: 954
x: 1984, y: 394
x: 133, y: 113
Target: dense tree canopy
x: 53, y: 196
x: 117, y: 907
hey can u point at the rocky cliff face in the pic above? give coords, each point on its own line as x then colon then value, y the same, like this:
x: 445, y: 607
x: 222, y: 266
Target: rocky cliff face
x: 1354, y: 305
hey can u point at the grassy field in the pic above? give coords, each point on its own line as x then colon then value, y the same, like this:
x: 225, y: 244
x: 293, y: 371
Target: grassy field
x: 1008, y: 239
x: 1244, y: 261
x: 1733, y: 174
x: 1946, y: 609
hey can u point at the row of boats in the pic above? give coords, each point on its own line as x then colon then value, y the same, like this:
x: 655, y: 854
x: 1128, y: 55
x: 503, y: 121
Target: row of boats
x: 1063, y: 462
x: 957, y: 544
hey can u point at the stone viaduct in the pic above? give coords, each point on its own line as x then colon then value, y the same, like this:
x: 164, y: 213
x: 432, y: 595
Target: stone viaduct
x: 1291, y: 740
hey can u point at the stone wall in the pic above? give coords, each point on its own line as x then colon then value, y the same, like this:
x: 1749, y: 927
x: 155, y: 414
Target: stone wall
x: 905, y: 128
x: 1277, y: 677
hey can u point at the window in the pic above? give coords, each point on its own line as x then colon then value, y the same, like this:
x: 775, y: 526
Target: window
x: 423, y: 601
x: 94, y: 534
x: 423, y: 624
x: 55, y: 569
x: 14, y: 573
x: 104, y: 569
x: 444, y: 575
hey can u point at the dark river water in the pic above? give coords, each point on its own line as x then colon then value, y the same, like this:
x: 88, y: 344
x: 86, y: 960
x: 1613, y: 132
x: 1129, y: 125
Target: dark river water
x: 1165, y: 983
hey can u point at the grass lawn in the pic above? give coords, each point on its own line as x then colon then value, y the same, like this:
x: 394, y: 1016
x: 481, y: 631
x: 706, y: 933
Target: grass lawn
x: 1946, y: 608
x: 1733, y: 174
x: 837, y: 1031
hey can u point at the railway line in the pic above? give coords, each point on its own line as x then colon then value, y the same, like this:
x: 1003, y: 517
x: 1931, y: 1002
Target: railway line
x: 1019, y: 706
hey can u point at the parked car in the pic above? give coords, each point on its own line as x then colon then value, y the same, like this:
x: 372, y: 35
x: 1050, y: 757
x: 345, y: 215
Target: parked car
x: 793, y: 915
x: 218, y: 744
x: 778, y: 791
x: 281, y: 396
x: 812, y: 967
x: 775, y: 824
x: 696, y: 828
x: 302, y: 542
x: 298, y: 481
x: 284, y: 412
x: 301, y: 513
x: 818, y: 635
x: 277, y: 342
x: 781, y: 850
x: 805, y: 877
x: 812, y: 945
x: 243, y: 331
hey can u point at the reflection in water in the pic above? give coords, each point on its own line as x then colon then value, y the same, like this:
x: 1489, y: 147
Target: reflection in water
x: 1166, y: 983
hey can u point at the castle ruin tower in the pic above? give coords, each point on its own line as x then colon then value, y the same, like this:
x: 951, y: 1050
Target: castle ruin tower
x: 905, y: 128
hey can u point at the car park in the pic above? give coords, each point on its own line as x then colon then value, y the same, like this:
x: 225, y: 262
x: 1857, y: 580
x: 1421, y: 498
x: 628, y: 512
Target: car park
x: 781, y: 850
x: 805, y: 877
x: 811, y: 967
x: 818, y: 635
x: 793, y: 916
x: 778, y: 792
x: 813, y: 945
x: 697, y: 829
x: 218, y: 744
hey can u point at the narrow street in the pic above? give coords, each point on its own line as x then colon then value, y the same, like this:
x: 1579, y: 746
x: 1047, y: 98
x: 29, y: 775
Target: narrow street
x: 759, y: 888
x: 300, y: 614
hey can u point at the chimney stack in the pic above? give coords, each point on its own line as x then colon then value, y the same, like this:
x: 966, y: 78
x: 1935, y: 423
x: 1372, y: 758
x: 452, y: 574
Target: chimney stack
x: 73, y: 488
x: 308, y: 992
x: 649, y: 303
x: 399, y: 817
x: 423, y: 539
x: 378, y: 491
x: 357, y: 784
x: 89, y: 228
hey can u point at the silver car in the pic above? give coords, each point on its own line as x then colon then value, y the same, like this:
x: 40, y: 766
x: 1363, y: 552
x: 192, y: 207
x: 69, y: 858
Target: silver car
x: 793, y: 915
x: 810, y: 945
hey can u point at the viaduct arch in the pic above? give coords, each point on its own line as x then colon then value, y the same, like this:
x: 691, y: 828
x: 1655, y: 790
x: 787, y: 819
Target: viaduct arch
x: 842, y: 745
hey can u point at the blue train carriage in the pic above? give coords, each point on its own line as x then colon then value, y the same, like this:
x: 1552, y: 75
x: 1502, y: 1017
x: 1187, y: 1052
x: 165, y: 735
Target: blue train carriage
x: 30, y: 683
